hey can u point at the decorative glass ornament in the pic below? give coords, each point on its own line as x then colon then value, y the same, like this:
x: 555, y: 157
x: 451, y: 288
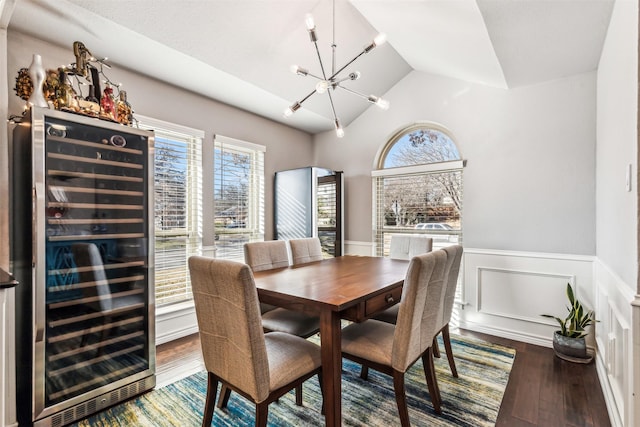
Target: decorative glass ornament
x: 37, y: 74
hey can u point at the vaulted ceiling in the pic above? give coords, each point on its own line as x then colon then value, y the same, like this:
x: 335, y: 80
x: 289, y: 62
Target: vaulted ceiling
x: 240, y: 51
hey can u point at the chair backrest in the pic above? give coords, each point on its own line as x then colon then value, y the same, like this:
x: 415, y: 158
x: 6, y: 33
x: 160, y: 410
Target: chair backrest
x: 228, y: 313
x: 305, y: 250
x: 91, y: 273
x: 454, y: 257
x: 420, y: 308
x: 406, y: 246
x: 266, y: 255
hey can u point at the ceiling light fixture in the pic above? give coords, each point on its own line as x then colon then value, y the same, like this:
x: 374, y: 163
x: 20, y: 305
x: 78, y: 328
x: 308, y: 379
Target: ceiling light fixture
x: 327, y: 84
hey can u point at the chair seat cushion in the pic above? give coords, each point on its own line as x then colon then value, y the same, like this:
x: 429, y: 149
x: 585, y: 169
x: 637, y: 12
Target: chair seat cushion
x: 290, y: 357
x: 290, y: 321
x: 371, y: 340
x: 390, y: 315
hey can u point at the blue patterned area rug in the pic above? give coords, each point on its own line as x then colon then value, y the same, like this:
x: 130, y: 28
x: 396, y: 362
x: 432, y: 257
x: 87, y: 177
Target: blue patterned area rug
x: 473, y: 399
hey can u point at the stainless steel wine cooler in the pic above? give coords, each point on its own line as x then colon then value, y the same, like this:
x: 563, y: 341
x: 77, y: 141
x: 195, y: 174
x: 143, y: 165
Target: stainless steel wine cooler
x: 81, y: 209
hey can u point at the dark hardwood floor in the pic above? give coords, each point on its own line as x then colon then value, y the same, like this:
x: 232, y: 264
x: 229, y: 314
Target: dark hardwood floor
x: 542, y: 390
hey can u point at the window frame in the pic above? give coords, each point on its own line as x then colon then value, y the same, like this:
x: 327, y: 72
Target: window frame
x: 193, y: 230
x: 256, y: 190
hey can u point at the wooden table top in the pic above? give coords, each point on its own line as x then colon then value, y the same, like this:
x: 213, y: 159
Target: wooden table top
x: 334, y: 284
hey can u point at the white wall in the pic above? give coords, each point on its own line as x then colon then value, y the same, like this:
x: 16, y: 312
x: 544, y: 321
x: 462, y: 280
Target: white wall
x: 616, y: 207
x: 616, y: 273
x: 529, y: 180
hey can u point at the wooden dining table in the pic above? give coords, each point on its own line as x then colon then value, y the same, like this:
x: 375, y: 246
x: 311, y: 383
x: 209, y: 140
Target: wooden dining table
x: 347, y: 287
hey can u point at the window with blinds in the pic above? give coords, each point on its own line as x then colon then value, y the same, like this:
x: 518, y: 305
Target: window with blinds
x: 427, y: 202
x: 238, y: 186
x: 418, y: 188
x: 177, y: 207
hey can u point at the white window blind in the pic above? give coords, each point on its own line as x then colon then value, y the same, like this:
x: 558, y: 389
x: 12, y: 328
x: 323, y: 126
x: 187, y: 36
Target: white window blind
x: 428, y: 203
x: 177, y: 207
x: 238, y: 196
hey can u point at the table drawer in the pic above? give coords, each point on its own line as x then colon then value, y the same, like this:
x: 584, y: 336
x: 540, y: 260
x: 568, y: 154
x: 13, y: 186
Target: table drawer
x: 382, y: 302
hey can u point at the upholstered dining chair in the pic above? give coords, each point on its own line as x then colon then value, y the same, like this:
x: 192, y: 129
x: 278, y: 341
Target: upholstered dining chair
x: 393, y: 349
x: 404, y: 246
x: 268, y: 255
x: 454, y: 257
x: 305, y: 250
x: 237, y: 352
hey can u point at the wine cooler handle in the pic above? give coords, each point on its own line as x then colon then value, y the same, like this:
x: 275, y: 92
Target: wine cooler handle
x: 34, y: 258
x: 34, y: 227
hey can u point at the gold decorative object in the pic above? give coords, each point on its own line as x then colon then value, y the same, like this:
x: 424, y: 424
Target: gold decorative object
x: 24, y: 86
x: 62, y: 94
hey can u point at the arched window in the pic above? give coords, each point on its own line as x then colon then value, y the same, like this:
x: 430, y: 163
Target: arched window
x: 418, y: 187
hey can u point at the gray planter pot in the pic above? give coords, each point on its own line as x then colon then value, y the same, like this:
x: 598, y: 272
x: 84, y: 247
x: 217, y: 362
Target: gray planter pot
x: 571, y: 349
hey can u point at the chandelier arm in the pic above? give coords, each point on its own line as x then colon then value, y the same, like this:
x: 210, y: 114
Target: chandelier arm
x: 324, y: 75
x: 333, y: 108
x: 346, y: 65
x: 361, y: 95
x: 314, y: 76
x: 307, y: 97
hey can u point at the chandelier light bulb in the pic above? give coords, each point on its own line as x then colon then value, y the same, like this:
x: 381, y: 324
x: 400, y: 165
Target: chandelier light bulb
x: 296, y: 69
x: 309, y: 22
x: 339, y: 130
x: 292, y: 109
x: 382, y: 103
x: 380, y: 39
x: 377, y: 41
x: 322, y: 86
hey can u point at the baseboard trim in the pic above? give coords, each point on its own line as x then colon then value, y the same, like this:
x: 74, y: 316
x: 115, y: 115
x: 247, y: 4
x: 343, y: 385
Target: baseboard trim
x: 506, y: 333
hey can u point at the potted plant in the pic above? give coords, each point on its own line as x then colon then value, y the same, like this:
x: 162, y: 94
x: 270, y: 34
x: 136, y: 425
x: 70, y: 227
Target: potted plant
x: 569, y: 342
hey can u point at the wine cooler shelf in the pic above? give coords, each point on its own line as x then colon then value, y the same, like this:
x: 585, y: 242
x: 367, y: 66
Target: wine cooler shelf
x: 94, y: 327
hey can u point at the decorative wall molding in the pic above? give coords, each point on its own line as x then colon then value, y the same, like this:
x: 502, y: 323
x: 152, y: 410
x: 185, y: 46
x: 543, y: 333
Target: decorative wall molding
x: 484, y: 277
x: 614, y: 336
x: 635, y: 354
x: 505, y: 290
x: 352, y: 247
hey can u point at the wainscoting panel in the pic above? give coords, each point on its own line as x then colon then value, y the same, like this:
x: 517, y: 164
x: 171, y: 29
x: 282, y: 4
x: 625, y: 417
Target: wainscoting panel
x: 352, y: 247
x: 500, y: 292
x: 614, y: 359
x: 506, y: 292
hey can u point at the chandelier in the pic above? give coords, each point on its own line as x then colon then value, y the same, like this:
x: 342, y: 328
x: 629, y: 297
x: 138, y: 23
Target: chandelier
x: 327, y: 84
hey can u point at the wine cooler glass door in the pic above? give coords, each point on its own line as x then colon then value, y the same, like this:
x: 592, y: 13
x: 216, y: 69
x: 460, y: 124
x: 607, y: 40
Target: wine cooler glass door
x: 97, y: 268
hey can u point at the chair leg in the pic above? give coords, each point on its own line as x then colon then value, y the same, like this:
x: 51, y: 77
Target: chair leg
x: 447, y: 346
x: 401, y: 398
x: 225, y: 394
x: 262, y: 413
x: 321, y: 391
x: 364, y: 372
x: 299, y: 395
x: 432, y: 382
x: 209, y: 406
x: 436, y: 347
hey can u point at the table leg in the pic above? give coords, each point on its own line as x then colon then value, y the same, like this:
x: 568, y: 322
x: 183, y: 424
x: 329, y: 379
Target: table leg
x: 330, y: 342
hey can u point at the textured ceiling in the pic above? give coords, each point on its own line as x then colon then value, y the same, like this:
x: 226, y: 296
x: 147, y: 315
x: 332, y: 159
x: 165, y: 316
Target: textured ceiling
x: 240, y: 51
